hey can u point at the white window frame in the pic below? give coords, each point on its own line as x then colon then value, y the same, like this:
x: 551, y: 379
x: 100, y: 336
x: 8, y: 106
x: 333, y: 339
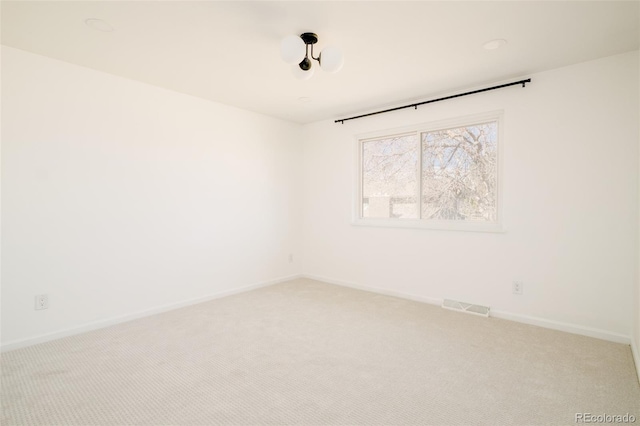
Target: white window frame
x: 418, y: 129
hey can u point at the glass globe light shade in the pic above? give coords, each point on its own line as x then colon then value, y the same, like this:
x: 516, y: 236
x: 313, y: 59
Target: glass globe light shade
x: 301, y: 74
x: 331, y: 59
x: 292, y: 49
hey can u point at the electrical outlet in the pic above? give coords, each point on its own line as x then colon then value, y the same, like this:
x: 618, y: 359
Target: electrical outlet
x: 290, y: 258
x: 517, y: 287
x: 42, y: 302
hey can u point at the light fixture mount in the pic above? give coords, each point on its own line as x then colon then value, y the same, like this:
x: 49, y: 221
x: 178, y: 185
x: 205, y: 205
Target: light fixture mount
x: 309, y: 38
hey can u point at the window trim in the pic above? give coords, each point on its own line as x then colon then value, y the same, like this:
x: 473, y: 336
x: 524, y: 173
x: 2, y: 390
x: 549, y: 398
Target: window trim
x: 496, y: 227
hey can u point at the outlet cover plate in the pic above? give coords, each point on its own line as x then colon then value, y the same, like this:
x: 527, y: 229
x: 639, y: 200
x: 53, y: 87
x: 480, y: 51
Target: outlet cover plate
x: 518, y: 287
x: 42, y: 302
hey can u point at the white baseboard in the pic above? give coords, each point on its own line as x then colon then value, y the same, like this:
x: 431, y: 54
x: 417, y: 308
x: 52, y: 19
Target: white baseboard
x: 540, y: 322
x: 429, y: 300
x: 563, y: 326
x: 94, y: 325
x: 635, y: 351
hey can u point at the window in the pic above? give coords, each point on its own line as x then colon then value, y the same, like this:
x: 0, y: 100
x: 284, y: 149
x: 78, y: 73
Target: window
x: 443, y: 175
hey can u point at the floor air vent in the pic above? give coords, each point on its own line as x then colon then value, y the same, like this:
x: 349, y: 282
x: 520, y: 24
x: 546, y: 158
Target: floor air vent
x: 454, y: 305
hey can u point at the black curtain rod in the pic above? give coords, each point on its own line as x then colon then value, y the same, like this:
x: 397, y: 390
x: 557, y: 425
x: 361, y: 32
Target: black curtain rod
x: 523, y: 82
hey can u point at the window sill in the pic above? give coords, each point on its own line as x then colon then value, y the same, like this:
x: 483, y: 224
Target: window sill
x: 495, y: 228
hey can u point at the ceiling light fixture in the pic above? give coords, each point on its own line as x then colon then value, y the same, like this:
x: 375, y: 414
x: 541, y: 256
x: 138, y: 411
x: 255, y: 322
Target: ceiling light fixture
x: 298, y: 50
x: 98, y: 24
x: 494, y: 44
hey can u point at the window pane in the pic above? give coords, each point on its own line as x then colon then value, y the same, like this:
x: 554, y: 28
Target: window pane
x: 389, y: 177
x: 459, y: 173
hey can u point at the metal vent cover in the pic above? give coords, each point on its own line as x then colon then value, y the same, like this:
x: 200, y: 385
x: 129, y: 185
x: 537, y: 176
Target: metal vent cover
x: 469, y: 308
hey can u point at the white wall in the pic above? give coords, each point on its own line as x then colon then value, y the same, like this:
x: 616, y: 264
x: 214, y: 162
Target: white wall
x: 570, y: 205
x: 635, y: 344
x: 118, y: 197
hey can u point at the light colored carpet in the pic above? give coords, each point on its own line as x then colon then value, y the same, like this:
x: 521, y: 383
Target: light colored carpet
x: 310, y: 353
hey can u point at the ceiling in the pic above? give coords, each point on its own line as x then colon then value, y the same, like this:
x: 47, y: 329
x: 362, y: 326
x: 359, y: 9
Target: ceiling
x: 395, y: 51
